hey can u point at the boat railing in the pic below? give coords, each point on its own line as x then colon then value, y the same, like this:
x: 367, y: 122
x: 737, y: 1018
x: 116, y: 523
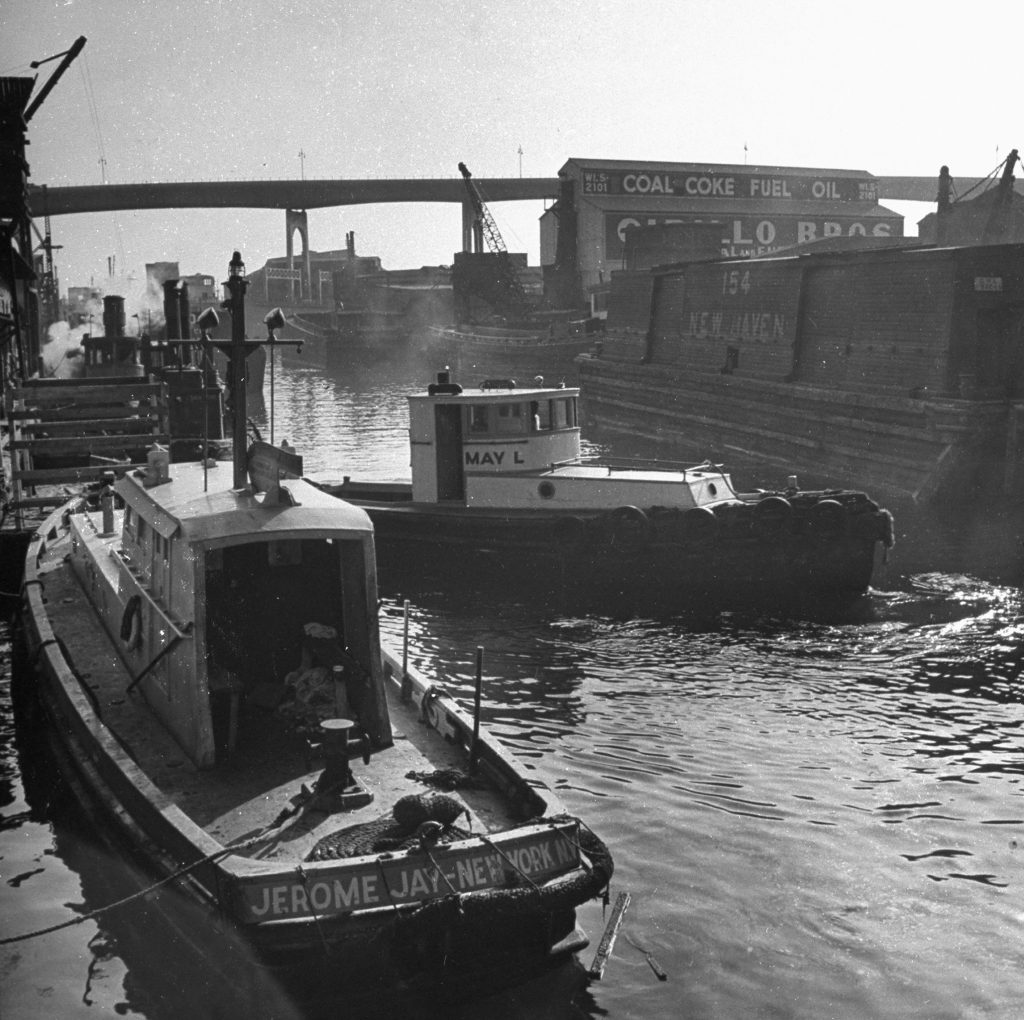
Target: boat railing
x: 652, y: 463
x: 568, y: 462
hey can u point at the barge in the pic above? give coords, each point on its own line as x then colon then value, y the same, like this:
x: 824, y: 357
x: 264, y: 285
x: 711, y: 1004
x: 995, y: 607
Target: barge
x: 898, y: 368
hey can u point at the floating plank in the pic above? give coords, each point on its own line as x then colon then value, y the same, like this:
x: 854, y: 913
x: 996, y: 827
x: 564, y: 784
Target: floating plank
x: 604, y: 949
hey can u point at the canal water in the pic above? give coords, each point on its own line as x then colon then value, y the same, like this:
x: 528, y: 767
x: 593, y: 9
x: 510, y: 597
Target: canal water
x: 815, y: 815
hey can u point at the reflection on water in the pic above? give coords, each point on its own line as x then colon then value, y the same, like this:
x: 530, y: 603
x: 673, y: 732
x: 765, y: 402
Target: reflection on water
x: 816, y: 815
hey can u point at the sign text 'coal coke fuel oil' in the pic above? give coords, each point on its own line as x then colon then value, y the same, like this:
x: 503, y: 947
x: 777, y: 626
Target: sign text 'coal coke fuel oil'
x: 713, y: 184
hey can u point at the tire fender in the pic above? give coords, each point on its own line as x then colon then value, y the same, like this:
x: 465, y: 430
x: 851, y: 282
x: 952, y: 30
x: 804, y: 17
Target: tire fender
x: 629, y: 528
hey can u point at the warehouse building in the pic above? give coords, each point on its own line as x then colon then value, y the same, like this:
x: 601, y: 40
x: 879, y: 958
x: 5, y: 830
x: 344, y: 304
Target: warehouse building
x: 758, y: 210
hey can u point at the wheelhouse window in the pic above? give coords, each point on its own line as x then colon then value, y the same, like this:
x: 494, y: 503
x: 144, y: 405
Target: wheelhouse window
x: 510, y: 419
x: 563, y: 413
x: 479, y: 419
x: 549, y: 415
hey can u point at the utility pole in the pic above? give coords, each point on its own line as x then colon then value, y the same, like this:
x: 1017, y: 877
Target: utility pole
x: 302, y: 165
x: 520, y: 161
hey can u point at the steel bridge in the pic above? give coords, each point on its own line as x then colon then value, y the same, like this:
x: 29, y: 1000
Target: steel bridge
x: 290, y: 194
x: 91, y: 198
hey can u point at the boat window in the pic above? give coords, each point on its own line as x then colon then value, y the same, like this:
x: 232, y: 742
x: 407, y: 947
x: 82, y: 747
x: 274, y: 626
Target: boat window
x: 478, y: 418
x: 540, y: 415
x: 510, y: 418
x: 129, y: 523
x: 561, y: 413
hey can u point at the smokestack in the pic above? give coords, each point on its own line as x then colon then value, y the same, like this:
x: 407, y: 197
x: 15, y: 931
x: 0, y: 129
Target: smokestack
x: 171, y: 317
x: 184, y: 318
x: 113, y: 316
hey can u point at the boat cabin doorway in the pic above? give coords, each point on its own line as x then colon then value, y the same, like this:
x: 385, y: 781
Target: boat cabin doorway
x: 451, y: 482
x: 274, y: 610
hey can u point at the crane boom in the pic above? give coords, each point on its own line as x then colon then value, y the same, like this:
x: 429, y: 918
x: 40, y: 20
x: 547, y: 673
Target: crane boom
x: 484, y: 227
x: 68, y: 55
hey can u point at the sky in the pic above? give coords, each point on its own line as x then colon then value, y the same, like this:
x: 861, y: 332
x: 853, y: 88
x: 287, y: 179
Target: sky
x: 179, y: 90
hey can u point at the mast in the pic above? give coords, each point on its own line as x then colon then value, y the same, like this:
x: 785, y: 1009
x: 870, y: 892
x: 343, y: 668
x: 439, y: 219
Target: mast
x: 236, y: 350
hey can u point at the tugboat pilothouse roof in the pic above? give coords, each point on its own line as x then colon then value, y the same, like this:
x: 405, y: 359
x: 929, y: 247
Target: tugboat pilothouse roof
x: 499, y: 391
x: 200, y: 511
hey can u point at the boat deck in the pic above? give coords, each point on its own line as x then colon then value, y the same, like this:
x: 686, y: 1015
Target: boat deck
x: 264, y: 775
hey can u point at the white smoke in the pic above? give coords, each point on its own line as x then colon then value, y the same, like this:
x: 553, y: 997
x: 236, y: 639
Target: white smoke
x: 62, y: 350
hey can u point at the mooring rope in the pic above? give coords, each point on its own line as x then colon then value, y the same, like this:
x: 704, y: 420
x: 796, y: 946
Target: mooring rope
x: 489, y: 842
x: 166, y: 880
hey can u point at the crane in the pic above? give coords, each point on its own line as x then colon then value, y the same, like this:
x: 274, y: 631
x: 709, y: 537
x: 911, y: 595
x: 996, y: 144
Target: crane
x: 999, y: 216
x: 506, y: 292
x: 484, y: 227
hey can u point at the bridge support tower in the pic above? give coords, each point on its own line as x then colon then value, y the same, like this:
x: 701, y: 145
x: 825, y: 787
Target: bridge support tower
x: 296, y: 220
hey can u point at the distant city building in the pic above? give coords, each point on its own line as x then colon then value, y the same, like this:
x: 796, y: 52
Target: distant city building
x: 327, y: 287
x: 203, y: 292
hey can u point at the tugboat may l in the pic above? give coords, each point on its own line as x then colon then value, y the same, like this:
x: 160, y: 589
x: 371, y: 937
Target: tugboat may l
x: 499, y: 470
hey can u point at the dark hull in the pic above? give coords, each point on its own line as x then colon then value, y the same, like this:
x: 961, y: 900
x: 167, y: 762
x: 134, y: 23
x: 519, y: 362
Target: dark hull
x: 809, y: 545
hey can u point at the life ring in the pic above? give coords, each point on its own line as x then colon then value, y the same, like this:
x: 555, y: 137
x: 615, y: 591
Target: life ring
x: 628, y: 528
x: 131, y: 622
